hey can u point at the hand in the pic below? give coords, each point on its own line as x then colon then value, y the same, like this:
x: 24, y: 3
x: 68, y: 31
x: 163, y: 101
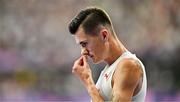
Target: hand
x: 81, y: 69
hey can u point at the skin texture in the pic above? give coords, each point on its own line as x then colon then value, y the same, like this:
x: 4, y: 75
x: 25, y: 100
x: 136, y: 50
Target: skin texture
x: 127, y: 81
x: 127, y: 78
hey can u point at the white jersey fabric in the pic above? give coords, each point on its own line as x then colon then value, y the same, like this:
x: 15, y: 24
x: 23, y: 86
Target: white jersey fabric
x: 104, y: 82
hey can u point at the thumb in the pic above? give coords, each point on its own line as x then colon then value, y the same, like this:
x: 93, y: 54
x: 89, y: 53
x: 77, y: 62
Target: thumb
x: 85, y: 60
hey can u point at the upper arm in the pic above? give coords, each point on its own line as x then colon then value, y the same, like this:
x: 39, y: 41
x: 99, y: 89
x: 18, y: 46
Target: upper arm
x: 125, y: 80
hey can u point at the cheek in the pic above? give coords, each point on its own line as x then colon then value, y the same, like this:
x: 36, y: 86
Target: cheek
x: 91, y: 48
x: 98, y: 50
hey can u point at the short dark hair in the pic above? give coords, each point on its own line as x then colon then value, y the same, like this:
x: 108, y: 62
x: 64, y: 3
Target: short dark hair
x: 90, y: 19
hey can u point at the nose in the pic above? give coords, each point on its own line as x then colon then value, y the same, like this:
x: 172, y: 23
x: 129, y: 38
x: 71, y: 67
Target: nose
x: 84, y: 51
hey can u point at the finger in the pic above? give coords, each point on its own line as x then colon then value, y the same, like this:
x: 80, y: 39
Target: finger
x: 85, y: 58
x: 79, y: 61
x: 76, y: 65
x: 75, y: 68
x: 85, y: 62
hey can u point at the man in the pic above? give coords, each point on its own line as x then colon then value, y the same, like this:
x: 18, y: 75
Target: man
x: 124, y: 77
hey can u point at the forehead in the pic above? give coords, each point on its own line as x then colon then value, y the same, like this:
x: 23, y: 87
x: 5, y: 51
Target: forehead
x: 80, y: 35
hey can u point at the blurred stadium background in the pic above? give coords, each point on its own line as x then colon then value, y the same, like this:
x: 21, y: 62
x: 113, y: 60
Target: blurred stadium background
x: 37, y: 51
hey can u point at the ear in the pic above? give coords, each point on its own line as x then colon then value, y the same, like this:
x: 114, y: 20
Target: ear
x: 104, y: 34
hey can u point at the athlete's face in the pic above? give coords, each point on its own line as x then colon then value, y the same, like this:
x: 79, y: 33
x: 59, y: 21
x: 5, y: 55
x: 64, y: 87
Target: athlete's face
x: 93, y: 46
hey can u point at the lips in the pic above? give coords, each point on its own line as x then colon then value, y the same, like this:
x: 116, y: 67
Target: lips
x: 88, y: 54
x: 91, y: 56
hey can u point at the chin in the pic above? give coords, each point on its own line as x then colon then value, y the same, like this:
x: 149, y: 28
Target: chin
x: 96, y: 61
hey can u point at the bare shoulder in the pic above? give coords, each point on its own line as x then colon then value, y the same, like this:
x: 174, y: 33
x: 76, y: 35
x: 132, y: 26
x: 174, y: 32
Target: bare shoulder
x: 128, y: 72
x: 125, y: 79
x: 129, y: 64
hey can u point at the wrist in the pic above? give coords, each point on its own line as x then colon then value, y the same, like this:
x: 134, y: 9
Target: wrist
x: 89, y: 82
x: 94, y: 93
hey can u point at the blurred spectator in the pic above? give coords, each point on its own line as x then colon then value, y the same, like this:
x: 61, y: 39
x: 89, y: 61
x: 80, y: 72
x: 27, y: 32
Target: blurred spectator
x: 37, y: 54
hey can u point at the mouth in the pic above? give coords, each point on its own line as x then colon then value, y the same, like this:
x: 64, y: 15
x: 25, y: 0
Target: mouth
x: 91, y: 56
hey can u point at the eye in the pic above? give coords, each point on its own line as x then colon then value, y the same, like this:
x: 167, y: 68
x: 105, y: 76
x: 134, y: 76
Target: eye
x: 83, y: 44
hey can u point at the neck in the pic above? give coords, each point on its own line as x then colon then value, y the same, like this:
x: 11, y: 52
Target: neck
x: 116, y: 49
